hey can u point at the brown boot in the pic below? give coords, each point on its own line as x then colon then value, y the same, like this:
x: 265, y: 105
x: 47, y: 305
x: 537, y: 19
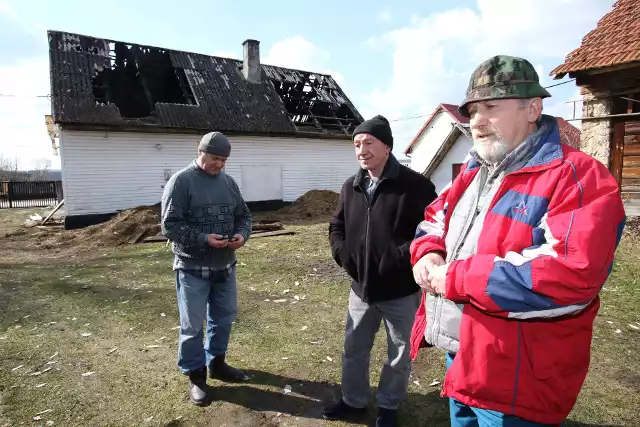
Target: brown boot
x: 220, y: 370
x: 198, y: 386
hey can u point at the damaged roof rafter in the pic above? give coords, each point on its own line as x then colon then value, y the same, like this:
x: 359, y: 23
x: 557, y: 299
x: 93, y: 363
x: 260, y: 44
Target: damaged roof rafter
x: 226, y: 100
x: 139, y: 78
x: 314, y: 101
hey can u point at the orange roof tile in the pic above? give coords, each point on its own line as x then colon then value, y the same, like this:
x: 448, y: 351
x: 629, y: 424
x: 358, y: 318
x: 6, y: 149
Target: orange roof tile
x: 615, y: 41
x: 569, y: 134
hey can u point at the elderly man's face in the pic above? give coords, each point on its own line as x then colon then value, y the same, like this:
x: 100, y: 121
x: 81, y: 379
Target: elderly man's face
x: 498, y: 126
x: 210, y: 163
x: 372, y: 153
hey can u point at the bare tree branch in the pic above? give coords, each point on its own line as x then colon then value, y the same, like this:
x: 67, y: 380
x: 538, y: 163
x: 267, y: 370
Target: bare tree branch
x: 8, y: 168
x: 41, y: 170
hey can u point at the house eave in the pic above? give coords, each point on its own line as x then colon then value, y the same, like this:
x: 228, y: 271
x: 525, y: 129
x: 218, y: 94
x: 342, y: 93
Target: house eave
x: 447, y: 144
x: 189, y: 131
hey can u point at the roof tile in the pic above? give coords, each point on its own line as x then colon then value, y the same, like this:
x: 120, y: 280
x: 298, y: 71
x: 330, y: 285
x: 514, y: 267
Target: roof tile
x: 615, y: 41
x: 225, y: 100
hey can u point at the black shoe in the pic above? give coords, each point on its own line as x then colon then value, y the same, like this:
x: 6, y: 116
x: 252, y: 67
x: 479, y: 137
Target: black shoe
x: 198, y: 386
x: 341, y: 411
x: 221, y: 371
x: 386, y: 418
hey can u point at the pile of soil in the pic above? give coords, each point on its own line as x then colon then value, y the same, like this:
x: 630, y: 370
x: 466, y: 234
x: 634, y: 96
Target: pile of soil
x: 315, y: 203
x: 135, y: 224
x: 126, y: 227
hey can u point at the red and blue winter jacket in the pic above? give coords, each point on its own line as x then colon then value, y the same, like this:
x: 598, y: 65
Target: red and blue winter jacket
x: 530, y: 292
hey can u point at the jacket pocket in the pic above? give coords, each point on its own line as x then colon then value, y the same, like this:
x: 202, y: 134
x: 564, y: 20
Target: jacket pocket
x: 538, y: 351
x: 560, y: 347
x: 389, y: 262
x: 347, y: 263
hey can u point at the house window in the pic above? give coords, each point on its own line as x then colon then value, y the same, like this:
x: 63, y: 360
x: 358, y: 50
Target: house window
x: 455, y: 170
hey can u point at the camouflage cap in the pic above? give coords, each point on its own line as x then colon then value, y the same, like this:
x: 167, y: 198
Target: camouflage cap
x: 503, y: 77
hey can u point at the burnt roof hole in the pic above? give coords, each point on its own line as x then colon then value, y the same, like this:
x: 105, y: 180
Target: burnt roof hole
x: 138, y: 78
x: 312, y: 106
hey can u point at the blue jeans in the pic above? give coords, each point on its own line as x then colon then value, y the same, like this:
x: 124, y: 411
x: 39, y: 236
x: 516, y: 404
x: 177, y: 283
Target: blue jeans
x: 214, y: 300
x: 466, y: 416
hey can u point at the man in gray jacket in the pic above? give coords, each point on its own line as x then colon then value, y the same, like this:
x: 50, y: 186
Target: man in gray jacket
x: 207, y: 220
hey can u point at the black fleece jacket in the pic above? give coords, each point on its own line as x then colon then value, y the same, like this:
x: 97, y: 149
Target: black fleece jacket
x: 370, y: 240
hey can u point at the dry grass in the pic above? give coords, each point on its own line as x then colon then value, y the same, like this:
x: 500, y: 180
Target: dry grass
x: 119, y: 296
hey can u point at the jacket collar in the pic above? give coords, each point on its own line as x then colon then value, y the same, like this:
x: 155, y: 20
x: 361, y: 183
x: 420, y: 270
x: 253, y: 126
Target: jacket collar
x: 391, y: 171
x: 543, y: 147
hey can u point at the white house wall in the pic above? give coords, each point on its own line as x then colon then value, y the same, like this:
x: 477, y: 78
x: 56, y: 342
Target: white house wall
x: 106, y: 172
x: 430, y: 141
x: 459, y: 153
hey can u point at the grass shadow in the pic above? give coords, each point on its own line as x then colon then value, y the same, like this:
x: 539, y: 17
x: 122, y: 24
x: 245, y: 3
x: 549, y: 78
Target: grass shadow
x: 307, y: 399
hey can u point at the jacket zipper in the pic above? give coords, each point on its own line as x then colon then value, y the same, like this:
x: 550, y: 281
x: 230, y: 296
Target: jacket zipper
x: 518, y: 361
x: 439, y: 303
x: 366, y: 234
x: 474, y: 214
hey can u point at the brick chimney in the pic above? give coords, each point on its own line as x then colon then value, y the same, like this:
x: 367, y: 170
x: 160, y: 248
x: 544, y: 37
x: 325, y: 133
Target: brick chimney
x: 251, y: 64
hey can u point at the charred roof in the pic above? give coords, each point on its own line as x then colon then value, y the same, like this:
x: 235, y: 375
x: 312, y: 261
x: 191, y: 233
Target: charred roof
x: 104, y: 83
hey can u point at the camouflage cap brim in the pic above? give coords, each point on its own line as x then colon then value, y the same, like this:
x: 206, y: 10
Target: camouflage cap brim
x: 503, y: 77
x: 515, y: 90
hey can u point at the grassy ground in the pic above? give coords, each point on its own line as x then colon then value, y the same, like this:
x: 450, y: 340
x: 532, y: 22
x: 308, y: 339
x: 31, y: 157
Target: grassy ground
x: 12, y: 219
x: 125, y: 299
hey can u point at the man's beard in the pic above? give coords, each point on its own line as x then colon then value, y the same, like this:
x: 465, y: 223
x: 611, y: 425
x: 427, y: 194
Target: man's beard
x: 493, y: 149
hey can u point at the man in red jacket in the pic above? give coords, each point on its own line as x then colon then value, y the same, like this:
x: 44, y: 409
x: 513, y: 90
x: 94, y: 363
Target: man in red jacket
x: 512, y: 257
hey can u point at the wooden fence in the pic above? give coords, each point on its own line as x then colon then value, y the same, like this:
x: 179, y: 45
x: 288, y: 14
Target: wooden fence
x: 30, y: 194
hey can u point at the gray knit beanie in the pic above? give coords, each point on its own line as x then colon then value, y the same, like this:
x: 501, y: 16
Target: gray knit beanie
x: 216, y: 144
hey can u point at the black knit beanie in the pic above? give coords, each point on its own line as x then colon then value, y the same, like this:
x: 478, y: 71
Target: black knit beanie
x: 377, y: 126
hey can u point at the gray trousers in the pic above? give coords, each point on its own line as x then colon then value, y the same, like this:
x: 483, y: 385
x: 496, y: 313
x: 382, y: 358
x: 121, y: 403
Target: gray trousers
x: 363, y: 323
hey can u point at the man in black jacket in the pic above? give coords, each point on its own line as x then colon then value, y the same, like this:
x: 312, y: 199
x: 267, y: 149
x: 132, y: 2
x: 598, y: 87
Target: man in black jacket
x: 370, y: 233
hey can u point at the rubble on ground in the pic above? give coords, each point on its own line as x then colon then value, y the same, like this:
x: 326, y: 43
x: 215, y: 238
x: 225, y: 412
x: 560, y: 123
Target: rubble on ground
x: 143, y: 224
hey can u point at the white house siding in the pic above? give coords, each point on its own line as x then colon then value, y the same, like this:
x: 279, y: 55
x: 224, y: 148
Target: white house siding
x: 106, y: 172
x: 430, y: 141
x: 459, y: 153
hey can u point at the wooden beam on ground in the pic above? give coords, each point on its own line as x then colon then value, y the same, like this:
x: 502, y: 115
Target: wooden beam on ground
x: 58, y: 206
x: 161, y: 238
x: 137, y: 236
x: 273, y: 233
x: 268, y: 227
x: 154, y: 239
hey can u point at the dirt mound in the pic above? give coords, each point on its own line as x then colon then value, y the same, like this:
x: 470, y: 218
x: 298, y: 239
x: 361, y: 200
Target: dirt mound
x: 126, y: 227
x: 133, y: 225
x: 315, y: 203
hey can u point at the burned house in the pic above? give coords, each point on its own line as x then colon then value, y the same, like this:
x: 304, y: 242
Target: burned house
x: 606, y: 67
x: 130, y: 116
